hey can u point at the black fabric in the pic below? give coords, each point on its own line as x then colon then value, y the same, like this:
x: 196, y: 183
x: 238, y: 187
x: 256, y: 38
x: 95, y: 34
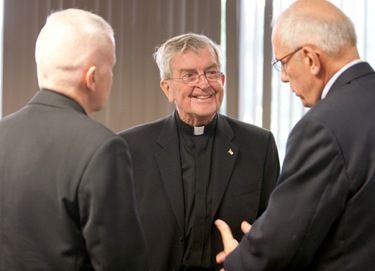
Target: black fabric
x: 321, y: 214
x: 196, y: 152
x: 244, y: 168
x: 61, y: 177
x: 199, y: 233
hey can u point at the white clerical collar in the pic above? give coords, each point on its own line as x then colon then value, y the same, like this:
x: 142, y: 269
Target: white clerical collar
x: 199, y: 130
x: 328, y: 86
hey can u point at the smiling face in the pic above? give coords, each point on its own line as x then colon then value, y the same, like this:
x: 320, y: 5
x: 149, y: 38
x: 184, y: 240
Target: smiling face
x: 197, y: 104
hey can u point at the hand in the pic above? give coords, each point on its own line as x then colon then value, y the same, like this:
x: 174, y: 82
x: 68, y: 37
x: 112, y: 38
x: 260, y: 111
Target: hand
x: 228, y: 241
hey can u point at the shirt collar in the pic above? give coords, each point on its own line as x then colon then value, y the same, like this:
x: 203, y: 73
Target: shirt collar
x: 207, y: 129
x: 328, y: 86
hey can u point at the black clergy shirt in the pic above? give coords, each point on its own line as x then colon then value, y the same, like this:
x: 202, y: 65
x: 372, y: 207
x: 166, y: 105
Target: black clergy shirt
x: 196, y: 159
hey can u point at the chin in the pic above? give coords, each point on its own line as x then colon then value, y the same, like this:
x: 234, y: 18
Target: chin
x: 306, y: 104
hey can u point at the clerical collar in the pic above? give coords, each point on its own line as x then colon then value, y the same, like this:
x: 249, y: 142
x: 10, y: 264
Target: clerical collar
x: 200, y: 130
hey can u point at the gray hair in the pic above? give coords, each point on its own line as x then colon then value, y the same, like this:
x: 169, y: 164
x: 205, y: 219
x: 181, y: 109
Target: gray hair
x: 330, y: 34
x: 179, y: 44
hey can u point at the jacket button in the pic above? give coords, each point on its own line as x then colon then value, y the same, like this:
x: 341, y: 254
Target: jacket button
x: 181, y: 238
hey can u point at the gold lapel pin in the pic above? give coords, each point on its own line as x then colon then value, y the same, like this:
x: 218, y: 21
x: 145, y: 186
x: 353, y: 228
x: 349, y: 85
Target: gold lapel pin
x: 230, y: 152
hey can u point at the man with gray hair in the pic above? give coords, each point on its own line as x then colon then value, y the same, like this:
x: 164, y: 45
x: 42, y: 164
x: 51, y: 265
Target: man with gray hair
x: 66, y: 188
x: 321, y: 213
x: 197, y: 165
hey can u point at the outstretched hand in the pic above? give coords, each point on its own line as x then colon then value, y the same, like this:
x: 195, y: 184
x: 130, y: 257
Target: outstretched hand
x: 229, y: 242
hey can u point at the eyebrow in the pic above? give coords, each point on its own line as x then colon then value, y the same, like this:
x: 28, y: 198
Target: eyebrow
x: 194, y: 70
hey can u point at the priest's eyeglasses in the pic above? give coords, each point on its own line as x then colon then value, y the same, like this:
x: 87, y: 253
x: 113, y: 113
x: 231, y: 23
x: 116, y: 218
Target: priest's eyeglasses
x: 192, y: 78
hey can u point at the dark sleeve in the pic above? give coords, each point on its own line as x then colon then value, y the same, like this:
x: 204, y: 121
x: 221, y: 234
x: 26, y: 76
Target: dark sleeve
x: 109, y: 218
x: 270, y: 173
x: 309, y: 197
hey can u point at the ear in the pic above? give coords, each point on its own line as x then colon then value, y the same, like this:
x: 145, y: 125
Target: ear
x: 222, y: 79
x: 311, y: 58
x: 167, y: 89
x: 90, y: 78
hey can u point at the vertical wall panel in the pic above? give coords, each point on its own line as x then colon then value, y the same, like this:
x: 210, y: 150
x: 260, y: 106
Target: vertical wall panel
x: 232, y: 26
x: 140, y: 25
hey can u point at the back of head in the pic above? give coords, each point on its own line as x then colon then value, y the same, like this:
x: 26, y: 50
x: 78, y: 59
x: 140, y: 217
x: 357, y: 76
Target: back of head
x: 70, y: 40
x: 315, y: 22
x: 179, y: 44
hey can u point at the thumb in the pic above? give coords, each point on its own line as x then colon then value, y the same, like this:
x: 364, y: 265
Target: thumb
x: 245, y: 227
x: 220, y: 257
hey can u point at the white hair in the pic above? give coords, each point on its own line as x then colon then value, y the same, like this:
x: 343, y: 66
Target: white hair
x: 329, y: 33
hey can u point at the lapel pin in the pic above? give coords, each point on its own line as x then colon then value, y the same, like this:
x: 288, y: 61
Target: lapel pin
x: 230, y: 152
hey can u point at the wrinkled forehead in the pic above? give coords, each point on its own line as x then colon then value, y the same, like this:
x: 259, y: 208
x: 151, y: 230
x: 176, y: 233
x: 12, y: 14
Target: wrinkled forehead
x: 204, y: 51
x: 192, y: 58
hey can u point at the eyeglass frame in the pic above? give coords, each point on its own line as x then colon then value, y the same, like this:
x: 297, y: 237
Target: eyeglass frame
x: 193, y: 83
x: 275, y: 61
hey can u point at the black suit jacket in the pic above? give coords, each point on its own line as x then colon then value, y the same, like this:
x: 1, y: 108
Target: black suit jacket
x: 321, y: 214
x: 245, y: 168
x: 66, y: 192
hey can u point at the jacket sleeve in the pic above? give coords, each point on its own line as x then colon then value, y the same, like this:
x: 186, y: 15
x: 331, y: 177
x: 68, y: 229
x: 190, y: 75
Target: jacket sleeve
x: 108, y: 213
x: 309, y: 197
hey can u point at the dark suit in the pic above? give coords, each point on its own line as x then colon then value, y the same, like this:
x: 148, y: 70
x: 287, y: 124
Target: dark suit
x: 321, y: 216
x: 245, y: 168
x: 66, y: 192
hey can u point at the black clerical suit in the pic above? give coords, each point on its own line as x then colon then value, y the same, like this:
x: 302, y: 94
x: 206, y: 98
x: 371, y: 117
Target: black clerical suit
x: 243, y: 169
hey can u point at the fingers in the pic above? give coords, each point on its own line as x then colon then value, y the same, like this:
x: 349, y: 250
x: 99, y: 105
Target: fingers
x: 245, y: 227
x: 220, y: 258
x: 225, y: 231
x: 226, y: 234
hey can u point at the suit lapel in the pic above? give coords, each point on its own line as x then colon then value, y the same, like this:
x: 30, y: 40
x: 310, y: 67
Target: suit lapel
x: 168, y: 160
x: 224, y: 158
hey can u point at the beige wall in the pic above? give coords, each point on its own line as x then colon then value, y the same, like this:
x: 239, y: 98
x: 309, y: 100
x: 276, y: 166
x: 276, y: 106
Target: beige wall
x: 139, y: 26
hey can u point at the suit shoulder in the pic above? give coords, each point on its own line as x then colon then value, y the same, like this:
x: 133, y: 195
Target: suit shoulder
x: 91, y: 129
x: 143, y: 128
x: 244, y: 127
x: 146, y: 132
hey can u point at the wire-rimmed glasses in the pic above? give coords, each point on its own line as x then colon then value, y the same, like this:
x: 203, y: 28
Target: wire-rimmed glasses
x: 192, y: 78
x: 278, y: 64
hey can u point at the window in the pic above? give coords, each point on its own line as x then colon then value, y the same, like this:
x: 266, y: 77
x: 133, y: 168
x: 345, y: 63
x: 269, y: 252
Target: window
x: 251, y: 61
x: 223, y: 38
x: 1, y: 56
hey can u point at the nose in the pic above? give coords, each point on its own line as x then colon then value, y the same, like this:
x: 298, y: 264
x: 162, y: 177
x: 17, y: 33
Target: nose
x: 204, y: 82
x: 284, y: 76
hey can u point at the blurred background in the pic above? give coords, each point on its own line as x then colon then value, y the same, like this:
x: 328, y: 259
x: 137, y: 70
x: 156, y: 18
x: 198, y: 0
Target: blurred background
x: 254, y: 92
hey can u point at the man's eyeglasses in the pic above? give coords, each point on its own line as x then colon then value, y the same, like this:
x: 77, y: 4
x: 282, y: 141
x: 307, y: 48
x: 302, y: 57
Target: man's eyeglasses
x: 192, y: 78
x: 278, y: 64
